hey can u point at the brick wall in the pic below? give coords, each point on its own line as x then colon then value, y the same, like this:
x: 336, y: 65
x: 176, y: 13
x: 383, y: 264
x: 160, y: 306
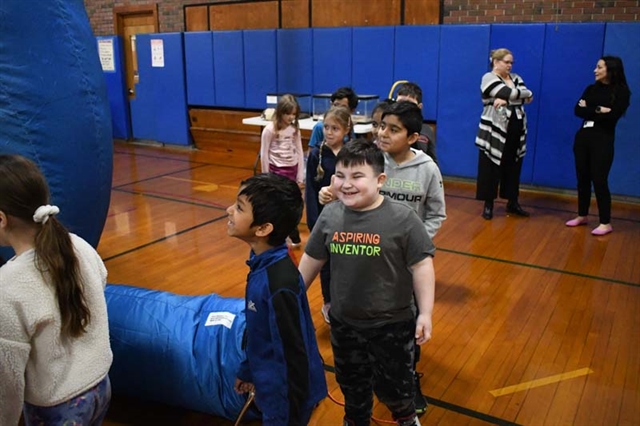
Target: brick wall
x: 170, y: 13
x: 488, y: 11
x: 454, y: 11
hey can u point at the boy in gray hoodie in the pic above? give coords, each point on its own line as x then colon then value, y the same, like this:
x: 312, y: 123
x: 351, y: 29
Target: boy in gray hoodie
x: 412, y: 176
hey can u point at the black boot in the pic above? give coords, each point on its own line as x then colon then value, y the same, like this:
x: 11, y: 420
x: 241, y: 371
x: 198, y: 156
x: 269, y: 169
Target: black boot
x: 487, y: 212
x: 514, y: 207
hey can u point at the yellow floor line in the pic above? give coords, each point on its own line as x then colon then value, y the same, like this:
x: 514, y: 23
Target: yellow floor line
x: 541, y: 382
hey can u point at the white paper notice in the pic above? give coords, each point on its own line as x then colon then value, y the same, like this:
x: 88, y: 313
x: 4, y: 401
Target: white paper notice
x: 272, y: 100
x: 105, y: 51
x: 220, y: 318
x: 157, y: 53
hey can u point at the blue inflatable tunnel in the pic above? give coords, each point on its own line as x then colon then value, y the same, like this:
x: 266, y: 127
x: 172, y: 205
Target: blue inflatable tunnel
x: 179, y: 350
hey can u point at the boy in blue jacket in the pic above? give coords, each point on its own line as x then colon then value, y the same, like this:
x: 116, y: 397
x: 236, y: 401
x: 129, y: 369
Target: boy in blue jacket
x: 283, y: 364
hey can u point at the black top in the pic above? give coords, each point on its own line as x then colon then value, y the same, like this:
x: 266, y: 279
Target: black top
x: 603, y: 95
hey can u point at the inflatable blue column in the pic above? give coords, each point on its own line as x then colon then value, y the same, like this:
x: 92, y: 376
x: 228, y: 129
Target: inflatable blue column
x: 54, y: 107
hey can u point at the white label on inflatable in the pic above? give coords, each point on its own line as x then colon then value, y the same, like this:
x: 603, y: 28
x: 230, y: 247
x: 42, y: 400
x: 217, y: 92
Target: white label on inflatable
x: 220, y: 318
x: 157, y: 53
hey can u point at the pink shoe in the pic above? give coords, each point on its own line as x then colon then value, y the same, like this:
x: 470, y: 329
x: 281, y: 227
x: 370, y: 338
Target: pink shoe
x: 602, y: 230
x: 576, y: 222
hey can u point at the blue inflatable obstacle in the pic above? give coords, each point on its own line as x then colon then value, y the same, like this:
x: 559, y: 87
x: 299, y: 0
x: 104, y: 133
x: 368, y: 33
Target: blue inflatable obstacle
x: 54, y: 107
x: 178, y: 350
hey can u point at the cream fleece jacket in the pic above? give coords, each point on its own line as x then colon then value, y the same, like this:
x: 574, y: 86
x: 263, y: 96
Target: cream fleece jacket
x: 37, y: 364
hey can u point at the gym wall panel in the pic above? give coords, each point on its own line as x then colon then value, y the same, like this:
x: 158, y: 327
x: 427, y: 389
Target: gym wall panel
x: 571, y: 52
x: 143, y: 117
x: 372, y: 60
x: 117, y: 89
x: 159, y: 111
x: 228, y: 68
x: 331, y: 59
x: 623, y: 40
x: 198, y: 58
x: 526, y: 41
x: 417, y: 55
x: 260, y: 68
x: 464, y: 58
x: 295, y: 61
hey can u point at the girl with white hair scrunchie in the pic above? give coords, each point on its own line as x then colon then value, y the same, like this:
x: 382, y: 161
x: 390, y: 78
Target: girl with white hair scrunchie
x: 54, y: 340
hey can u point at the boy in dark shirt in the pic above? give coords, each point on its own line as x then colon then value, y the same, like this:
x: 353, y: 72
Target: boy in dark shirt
x: 283, y: 365
x: 380, y: 256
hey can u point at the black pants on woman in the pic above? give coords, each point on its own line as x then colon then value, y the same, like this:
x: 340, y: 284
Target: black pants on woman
x: 507, y: 174
x: 593, y: 152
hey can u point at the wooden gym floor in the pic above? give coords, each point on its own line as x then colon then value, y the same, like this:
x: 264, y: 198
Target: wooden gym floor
x: 534, y: 323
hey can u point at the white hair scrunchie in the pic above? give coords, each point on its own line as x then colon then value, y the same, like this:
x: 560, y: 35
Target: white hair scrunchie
x: 43, y: 212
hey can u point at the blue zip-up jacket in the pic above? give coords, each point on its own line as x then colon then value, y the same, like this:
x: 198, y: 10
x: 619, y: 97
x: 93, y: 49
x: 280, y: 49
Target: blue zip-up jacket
x: 283, y: 361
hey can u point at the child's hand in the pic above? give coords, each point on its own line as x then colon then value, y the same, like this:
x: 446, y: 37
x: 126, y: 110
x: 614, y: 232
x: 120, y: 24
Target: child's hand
x: 243, y: 387
x: 325, y: 196
x: 423, y: 329
x: 301, y: 186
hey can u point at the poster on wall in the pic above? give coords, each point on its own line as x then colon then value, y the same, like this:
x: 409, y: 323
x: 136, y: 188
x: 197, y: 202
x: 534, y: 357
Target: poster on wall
x: 105, y: 51
x: 157, y: 53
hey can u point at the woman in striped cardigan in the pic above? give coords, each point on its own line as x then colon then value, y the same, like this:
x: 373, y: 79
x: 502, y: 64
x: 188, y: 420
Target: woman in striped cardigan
x: 502, y: 134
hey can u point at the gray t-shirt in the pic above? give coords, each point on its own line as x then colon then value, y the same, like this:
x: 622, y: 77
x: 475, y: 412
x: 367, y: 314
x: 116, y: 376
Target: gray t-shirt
x: 371, y: 254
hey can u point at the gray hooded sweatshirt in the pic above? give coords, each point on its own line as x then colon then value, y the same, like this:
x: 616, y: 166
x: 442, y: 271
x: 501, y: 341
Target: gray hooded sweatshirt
x: 418, y: 184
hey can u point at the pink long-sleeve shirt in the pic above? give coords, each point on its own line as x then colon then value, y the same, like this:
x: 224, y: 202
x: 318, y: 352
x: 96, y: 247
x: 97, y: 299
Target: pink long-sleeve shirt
x: 282, y: 149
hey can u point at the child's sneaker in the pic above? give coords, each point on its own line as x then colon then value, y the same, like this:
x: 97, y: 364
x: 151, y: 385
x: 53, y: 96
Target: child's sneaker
x: 419, y: 399
x: 325, y: 312
x: 410, y: 421
x: 292, y: 244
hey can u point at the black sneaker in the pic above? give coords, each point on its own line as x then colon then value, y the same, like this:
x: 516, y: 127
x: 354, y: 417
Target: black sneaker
x: 419, y: 400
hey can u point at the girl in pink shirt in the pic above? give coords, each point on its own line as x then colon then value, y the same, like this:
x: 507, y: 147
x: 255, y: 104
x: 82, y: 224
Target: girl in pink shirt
x: 281, y: 147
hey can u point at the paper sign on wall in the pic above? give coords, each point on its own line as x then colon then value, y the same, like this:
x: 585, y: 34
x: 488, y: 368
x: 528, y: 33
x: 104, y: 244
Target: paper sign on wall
x: 105, y: 51
x: 157, y: 53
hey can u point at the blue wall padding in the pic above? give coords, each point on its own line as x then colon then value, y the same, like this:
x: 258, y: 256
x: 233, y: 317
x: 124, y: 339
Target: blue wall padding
x: 331, y: 59
x: 577, y: 47
x: 142, y: 106
x: 295, y: 64
x: 623, y: 40
x: 417, y: 54
x: 54, y: 107
x: 228, y: 65
x: 159, y: 111
x: 117, y: 91
x: 464, y: 58
x: 198, y: 59
x: 260, y: 68
x: 371, y: 74
x: 164, y: 352
x: 527, y: 53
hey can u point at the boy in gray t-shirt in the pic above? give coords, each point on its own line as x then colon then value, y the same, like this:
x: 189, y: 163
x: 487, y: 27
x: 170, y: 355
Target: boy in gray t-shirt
x: 381, y: 256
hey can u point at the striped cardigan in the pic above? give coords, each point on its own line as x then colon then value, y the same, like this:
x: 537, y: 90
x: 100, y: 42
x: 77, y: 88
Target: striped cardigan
x: 492, y: 131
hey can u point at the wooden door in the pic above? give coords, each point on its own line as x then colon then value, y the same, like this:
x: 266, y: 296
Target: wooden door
x: 130, y: 21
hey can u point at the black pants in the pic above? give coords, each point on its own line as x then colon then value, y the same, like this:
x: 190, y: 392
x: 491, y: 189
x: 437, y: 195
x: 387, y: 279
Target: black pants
x: 380, y: 360
x: 593, y: 152
x: 507, y: 174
